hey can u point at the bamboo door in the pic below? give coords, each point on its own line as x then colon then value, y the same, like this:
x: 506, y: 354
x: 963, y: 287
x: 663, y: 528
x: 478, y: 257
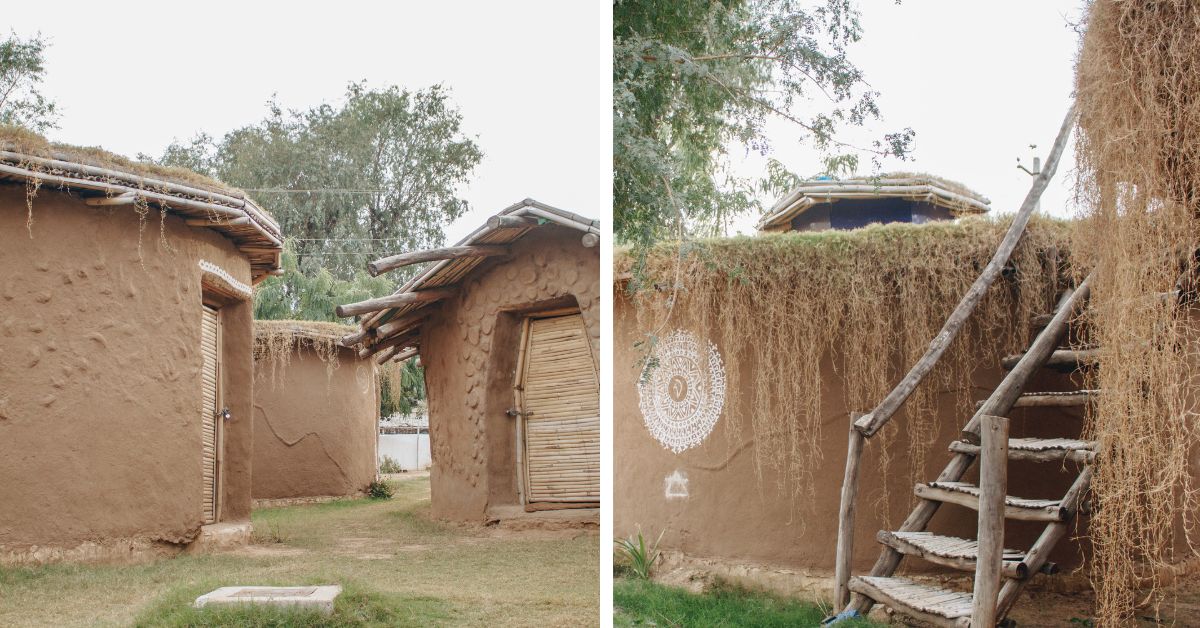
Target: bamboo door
x: 559, y: 398
x: 210, y: 425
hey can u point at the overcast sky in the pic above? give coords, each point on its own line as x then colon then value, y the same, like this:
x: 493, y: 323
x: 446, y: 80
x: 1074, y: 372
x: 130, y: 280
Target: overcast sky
x: 978, y: 82
x: 529, y: 77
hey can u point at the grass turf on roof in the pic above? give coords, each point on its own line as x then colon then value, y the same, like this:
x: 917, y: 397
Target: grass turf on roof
x: 24, y: 141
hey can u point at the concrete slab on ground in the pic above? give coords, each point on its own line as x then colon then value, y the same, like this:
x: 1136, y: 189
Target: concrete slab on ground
x: 318, y: 598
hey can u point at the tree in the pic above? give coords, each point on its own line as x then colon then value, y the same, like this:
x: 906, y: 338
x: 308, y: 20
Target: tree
x: 21, y: 72
x: 376, y: 175
x: 693, y: 77
x: 312, y: 295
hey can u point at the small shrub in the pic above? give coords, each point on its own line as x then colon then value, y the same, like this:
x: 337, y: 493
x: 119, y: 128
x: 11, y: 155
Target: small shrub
x: 379, y: 490
x: 390, y: 465
x: 637, y: 559
x: 271, y: 533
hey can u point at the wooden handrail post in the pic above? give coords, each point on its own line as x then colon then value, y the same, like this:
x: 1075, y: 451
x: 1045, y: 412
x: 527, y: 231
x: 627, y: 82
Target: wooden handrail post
x: 845, y: 541
x: 993, y: 488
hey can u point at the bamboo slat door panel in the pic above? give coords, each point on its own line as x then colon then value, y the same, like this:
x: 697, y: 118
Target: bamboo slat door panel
x: 560, y: 399
x: 209, y: 398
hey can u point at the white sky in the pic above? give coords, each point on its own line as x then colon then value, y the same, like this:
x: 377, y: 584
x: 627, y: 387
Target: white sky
x: 530, y: 78
x: 978, y: 82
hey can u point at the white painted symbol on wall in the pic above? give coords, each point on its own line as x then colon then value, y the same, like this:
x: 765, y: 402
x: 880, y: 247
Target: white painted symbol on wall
x: 682, y: 390
x: 676, y: 485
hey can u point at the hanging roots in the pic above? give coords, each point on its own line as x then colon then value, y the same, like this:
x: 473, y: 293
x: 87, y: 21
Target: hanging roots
x: 1138, y: 152
x: 868, y: 302
x: 276, y: 341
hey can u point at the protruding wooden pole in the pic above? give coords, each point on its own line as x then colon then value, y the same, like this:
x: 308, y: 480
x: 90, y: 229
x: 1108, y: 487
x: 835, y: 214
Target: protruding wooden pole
x: 511, y: 222
x: 993, y: 488
x: 404, y: 322
x: 395, y: 300
x: 845, y: 540
x: 590, y: 239
x: 435, y: 255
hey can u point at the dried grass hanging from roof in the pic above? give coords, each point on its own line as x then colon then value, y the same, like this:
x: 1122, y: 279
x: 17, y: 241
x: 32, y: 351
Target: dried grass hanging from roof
x: 869, y: 301
x: 1138, y: 148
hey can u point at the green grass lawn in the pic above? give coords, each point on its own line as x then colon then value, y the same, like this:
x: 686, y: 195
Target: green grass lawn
x: 645, y: 603
x: 399, y: 567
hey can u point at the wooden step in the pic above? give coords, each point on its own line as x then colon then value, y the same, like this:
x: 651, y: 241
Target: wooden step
x: 1039, y: 449
x: 953, y: 552
x: 1063, y: 359
x: 932, y: 605
x: 1055, y: 399
x: 1019, y: 508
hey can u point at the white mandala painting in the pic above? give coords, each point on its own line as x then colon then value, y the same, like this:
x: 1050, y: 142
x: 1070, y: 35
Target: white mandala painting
x: 682, y: 390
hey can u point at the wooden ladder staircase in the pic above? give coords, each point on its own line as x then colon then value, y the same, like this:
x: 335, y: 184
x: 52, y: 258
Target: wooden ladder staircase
x: 946, y: 607
x: 1000, y: 574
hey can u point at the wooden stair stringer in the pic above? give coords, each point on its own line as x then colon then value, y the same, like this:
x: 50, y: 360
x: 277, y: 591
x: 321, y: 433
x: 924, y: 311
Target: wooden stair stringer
x: 999, y: 403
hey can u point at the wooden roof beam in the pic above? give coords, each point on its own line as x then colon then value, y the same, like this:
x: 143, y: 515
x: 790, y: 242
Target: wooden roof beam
x: 511, y: 222
x: 434, y: 255
x: 395, y: 300
x: 401, y: 341
x: 404, y: 322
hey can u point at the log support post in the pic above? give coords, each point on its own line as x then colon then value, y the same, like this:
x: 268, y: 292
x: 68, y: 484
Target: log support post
x: 993, y: 488
x: 845, y: 540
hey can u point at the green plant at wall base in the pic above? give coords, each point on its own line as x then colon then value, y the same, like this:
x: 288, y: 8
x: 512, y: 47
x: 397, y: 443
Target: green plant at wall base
x: 638, y: 557
x: 379, y: 490
x: 390, y: 465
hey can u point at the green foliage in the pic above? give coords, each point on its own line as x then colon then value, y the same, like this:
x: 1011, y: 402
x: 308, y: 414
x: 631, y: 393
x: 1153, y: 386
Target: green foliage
x: 377, y: 174
x: 401, y: 387
x: 352, y: 608
x: 645, y: 603
x: 312, y: 295
x: 378, y: 489
x: 22, y: 70
x: 637, y: 558
x: 389, y: 465
x: 691, y: 78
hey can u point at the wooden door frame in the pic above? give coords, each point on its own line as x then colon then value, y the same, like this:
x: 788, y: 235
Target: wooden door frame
x: 215, y: 303
x: 522, y: 469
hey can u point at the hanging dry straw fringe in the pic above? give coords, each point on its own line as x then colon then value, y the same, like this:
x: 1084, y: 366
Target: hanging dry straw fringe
x: 1138, y: 148
x: 868, y: 301
x: 275, y: 341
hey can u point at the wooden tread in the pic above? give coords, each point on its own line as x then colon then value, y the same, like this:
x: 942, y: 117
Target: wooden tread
x: 1068, y: 359
x: 1054, y: 399
x: 1039, y: 449
x: 953, y: 552
x: 940, y: 607
x: 1019, y: 508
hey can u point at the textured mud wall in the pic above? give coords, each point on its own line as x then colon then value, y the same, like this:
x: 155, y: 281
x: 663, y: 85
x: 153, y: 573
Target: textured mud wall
x: 712, y: 503
x: 314, y: 428
x: 470, y: 352
x: 99, y: 375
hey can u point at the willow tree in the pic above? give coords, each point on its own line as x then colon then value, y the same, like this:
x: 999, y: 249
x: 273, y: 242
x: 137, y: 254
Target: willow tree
x: 693, y: 78
x: 22, y: 70
x: 376, y: 174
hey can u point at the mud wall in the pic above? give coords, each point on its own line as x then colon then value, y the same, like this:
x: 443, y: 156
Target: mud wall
x: 100, y: 375
x: 713, y: 501
x: 315, y: 425
x: 470, y: 354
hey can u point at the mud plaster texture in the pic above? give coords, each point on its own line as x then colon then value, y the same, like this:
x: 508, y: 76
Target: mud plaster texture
x: 730, y: 514
x: 470, y: 354
x: 100, y: 438
x: 315, y: 425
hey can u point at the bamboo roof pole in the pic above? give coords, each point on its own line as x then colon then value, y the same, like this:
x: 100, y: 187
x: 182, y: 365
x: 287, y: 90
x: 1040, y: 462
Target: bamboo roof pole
x: 433, y: 255
x: 511, y: 222
x: 872, y: 421
x: 404, y: 322
x: 404, y: 298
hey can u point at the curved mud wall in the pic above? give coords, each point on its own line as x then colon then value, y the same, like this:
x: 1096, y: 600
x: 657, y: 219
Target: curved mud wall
x: 314, y: 428
x: 712, y: 503
x: 100, y: 375
x: 470, y: 352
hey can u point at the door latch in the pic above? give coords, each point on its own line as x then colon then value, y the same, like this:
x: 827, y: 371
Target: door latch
x: 223, y: 414
x: 513, y: 412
